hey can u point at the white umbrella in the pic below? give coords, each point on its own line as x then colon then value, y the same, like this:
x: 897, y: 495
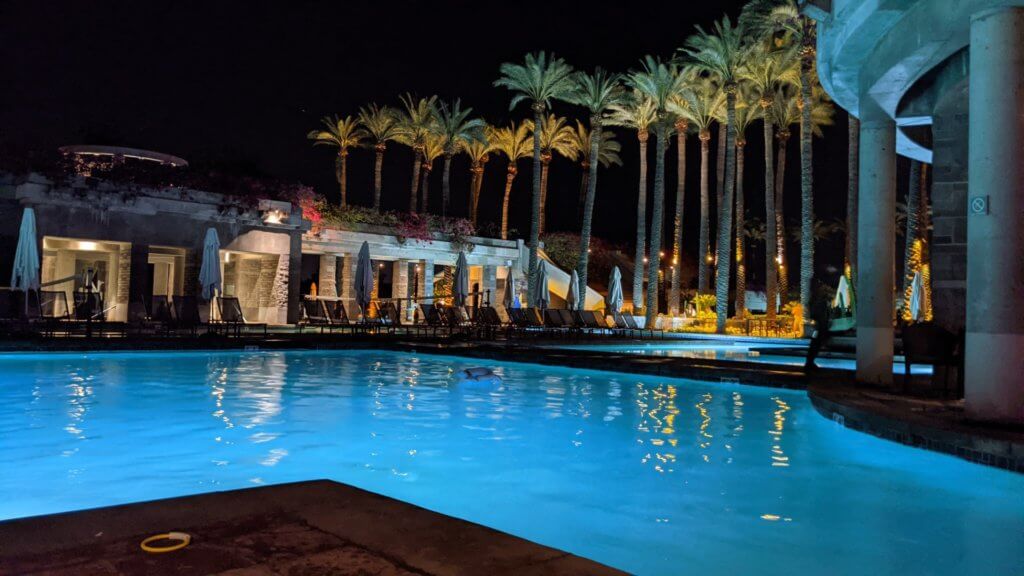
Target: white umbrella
x: 842, y: 299
x: 615, y: 298
x: 25, y: 275
x: 363, y: 285
x: 209, y: 273
x: 572, y: 296
x: 542, y: 298
x: 460, y: 283
x: 916, y: 296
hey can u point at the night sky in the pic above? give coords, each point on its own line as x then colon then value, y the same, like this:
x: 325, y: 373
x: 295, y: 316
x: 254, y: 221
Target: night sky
x: 240, y: 85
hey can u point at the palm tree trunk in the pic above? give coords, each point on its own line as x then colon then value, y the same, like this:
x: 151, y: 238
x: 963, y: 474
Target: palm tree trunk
x: 806, y: 186
x: 544, y: 194
x: 741, y: 239
x: 475, y: 194
x: 473, y: 177
x: 725, y: 217
x: 504, y: 204
x: 427, y: 168
x: 446, y: 186
x: 535, y: 205
x: 677, y: 240
x: 720, y: 168
x: 413, y: 193
x: 588, y: 208
x: 339, y: 175
x: 780, y: 219
x: 911, y: 261
x: 641, y: 225
x: 378, y: 168
x: 703, y: 266
x: 853, y: 184
x: 584, y: 175
x: 924, y: 226
x: 654, y: 248
x: 771, y: 278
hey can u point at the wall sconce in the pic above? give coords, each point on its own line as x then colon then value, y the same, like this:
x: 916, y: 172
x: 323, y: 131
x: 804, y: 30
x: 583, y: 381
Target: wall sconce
x: 273, y: 217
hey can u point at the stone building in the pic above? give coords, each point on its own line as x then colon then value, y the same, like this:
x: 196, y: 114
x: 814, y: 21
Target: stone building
x: 940, y: 81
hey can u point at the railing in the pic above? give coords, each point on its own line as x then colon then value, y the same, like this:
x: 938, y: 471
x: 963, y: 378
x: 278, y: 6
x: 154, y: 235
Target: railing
x: 409, y: 311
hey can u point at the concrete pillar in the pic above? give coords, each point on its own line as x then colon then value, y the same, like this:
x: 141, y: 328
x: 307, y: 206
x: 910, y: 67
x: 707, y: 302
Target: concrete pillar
x: 290, y: 270
x: 327, y: 281
x: 994, y: 365
x: 490, y: 282
x: 876, y: 241
x: 426, y: 287
x: 348, y: 263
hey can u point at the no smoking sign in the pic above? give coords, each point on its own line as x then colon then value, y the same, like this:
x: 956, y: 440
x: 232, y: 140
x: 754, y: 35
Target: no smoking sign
x: 979, y: 205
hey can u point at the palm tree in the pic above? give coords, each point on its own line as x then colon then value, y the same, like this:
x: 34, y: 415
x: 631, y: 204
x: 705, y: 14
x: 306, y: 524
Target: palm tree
x: 416, y: 123
x: 781, y: 19
x: 721, y: 54
x: 700, y: 101
x: 596, y: 92
x: 767, y: 70
x: 455, y: 127
x: 538, y: 80
x: 912, y: 236
x: 381, y: 126
x: 342, y: 133
x: 607, y: 155
x: 747, y: 111
x: 479, y: 151
x: 555, y: 136
x: 433, y: 148
x: 514, y: 142
x: 853, y: 184
x: 660, y: 82
x: 639, y: 113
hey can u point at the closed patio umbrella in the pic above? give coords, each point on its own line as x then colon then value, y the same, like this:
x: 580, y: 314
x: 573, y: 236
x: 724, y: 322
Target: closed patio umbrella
x: 615, y: 298
x: 460, y: 283
x: 843, y: 297
x: 209, y: 272
x: 572, y: 296
x: 363, y: 285
x: 916, y: 296
x: 511, y: 300
x: 25, y: 275
x: 543, y: 298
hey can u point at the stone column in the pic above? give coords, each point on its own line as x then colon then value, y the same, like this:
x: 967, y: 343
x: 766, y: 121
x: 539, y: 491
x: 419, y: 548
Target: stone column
x: 292, y: 281
x: 876, y: 241
x: 426, y: 287
x: 326, y: 282
x: 994, y: 365
x: 347, y: 292
x: 400, y: 286
x: 490, y: 283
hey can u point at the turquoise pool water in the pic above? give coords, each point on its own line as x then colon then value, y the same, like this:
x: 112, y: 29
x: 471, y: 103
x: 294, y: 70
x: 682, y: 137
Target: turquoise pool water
x: 652, y: 475
x: 746, y: 352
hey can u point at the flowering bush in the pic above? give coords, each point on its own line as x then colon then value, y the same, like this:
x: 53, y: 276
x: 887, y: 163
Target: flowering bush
x: 415, y: 227
x: 309, y: 202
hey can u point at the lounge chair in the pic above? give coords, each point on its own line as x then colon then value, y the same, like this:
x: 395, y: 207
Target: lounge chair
x: 232, y: 316
x: 338, y: 315
x: 929, y: 343
x: 186, y: 314
x: 314, y: 313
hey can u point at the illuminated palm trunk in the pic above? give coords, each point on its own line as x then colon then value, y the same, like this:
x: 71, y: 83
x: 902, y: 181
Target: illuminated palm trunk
x: 741, y: 264
x: 416, y: 162
x: 588, y: 209
x: 535, y: 204
x: 427, y: 169
x: 545, y: 160
x: 725, y: 217
x: 342, y: 174
x: 508, y: 194
x: 677, y: 243
x: 378, y: 169
x: 657, y: 213
x: 912, y: 236
x: 704, y: 266
x: 641, y: 224
x: 771, y: 278
x: 806, y: 170
x: 446, y: 185
x: 780, y: 220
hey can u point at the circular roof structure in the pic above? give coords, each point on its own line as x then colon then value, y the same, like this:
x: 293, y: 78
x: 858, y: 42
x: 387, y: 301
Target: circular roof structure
x: 120, y: 151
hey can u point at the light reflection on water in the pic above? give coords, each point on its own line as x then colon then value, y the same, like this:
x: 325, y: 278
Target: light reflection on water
x: 647, y: 474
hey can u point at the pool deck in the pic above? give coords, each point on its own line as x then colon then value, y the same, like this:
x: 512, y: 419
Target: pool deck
x: 306, y: 528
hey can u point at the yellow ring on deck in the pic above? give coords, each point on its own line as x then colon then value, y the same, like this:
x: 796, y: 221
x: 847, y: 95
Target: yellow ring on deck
x: 182, y: 538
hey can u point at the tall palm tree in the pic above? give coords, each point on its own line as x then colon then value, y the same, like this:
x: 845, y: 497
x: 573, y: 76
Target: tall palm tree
x: 539, y: 80
x: 782, y: 20
x: 659, y: 81
x: 514, y: 142
x: 720, y: 53
x: 416, y: 124
x: 595, y: 92
x: 768, y: 69
x: 912, y: 236
x: 747, y: 111
x: 479, y: 151
x: 639, y: 113
x: 853, y: 185
x: 701, y: 101
x: 433, y: 148
x: 607, y: 155
x: 344, y: 134
x: 456, y: 128
x: 381, y: 126
x: 556, y: 135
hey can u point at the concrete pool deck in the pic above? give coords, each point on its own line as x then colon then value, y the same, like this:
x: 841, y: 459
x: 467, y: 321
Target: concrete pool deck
x: 307, y: 528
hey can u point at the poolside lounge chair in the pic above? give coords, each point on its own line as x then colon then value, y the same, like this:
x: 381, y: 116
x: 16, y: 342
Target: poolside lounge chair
x: 314, y: 313
x: 554, y: 321
x: 929, y: 343
x: 338, y: 315
x: 232, y: 316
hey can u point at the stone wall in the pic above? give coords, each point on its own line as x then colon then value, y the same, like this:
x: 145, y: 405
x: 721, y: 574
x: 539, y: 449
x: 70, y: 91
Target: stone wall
x: 949, y: 209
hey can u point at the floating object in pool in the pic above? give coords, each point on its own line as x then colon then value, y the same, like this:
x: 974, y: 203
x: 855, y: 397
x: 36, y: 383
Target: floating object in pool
x: 479, y: 375
x: 179, y: 540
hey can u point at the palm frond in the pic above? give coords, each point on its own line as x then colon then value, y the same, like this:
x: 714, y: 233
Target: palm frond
x: 538, y: 79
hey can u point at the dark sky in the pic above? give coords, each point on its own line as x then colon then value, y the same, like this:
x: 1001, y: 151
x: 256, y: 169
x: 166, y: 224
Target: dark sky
x: 240, y: 84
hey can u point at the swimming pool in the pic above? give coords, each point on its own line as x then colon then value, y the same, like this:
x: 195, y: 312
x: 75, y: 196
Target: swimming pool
x: 745, y: 352
x: 651, y: 475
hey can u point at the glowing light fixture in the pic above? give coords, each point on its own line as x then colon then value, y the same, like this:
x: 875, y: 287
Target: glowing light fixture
x: 88, y: 246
